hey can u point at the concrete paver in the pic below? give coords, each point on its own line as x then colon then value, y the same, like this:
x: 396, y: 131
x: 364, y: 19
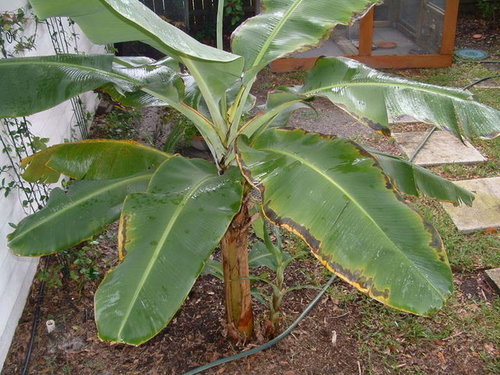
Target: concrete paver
x: 494, y: 276
x: 485, y: 210
x: 441, y: 148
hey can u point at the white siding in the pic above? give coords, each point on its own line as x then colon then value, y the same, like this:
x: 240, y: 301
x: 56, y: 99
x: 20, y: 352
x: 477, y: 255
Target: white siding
x: 16, y: 274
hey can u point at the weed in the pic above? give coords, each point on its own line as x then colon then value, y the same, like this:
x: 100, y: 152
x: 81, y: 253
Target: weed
x: 78, y: 264
x: 120, y: 124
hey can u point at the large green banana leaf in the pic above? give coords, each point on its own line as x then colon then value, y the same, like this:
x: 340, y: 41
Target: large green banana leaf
x: 375, y: 98
x: 96, y: 159
x: 412, y: 179
x: 334, y: 196
x: 53, y: 79
x: 285, y: 26
x: 167, y: 233
x: 111, y: 21
x: 72, y: 217
x: 50, y: 79
x: 138, y: 98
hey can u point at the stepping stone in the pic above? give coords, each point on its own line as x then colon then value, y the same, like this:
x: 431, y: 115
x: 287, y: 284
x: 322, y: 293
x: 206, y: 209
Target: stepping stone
x: 441, y: 148
x: 494, y: 276
x: 485, y: 210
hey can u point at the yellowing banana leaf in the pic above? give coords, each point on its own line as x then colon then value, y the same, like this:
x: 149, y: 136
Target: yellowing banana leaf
x: 167, y: 234
x: 374, y: 98
x: 334, y: 196
x: 72, y: 217
x: 412, y: 179
x: 286, y: 26
x: 92, y: 160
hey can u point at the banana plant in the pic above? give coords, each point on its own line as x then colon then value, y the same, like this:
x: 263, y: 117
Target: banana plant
x: 342, y: 199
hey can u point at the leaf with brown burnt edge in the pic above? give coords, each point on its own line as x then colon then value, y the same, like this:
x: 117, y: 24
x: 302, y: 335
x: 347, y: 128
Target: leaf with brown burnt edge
x: 336, y: 198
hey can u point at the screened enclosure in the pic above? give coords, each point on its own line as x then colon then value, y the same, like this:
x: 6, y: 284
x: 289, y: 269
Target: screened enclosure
x: 395, y: 34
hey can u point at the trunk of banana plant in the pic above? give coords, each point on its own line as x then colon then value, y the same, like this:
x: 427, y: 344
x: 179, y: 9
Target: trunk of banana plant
x: 236, y: 276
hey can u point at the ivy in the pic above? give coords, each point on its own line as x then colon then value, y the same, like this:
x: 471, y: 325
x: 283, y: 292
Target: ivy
x: 16, y: 139
x: 13, y: 33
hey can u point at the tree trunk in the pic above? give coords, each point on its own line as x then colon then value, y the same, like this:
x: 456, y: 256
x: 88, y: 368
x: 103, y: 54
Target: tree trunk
x: 236, y: 276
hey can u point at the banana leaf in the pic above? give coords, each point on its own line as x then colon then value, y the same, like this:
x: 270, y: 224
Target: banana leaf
x: 286, y: 26
x: 167, y: 234
x: 412, y: 179
x: 72, y: 217
x: 374, y: 98
x: 332, y: 194
x: 92, y: 160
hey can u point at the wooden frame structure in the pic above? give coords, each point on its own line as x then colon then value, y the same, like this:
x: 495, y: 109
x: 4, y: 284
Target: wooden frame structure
x: 366, y: 27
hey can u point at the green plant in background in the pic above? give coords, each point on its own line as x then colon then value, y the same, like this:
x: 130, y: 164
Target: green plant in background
x: 489, y: 9
x: 340, y: 198
x: 17, y: 141
x: 121, y: 124
x: 182, y: 131
x: 79, y: 265
x: 235, y: 12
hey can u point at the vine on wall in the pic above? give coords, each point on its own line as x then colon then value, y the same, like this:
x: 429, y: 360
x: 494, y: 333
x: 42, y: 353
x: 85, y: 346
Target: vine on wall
x: 13, y: 38
x: 17, y: 36
x: 18, y: 142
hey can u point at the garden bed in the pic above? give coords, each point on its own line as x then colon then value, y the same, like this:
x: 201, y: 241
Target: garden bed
x: 346, y: 332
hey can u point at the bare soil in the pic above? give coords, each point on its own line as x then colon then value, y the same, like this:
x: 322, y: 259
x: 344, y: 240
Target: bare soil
x: 338, y: 336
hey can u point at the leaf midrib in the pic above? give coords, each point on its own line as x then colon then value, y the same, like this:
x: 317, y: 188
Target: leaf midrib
x: 419, y: 87
x: 312, y: 167
x: 78, y: 202
x: 157, y: 251
x: 73, y: 66
x: 275, y: 32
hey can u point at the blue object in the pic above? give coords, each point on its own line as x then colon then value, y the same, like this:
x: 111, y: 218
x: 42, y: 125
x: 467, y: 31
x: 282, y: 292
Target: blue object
x: 470, y: 53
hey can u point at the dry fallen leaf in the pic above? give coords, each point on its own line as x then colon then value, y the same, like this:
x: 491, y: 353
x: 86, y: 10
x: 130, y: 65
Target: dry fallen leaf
x: 440, y: 355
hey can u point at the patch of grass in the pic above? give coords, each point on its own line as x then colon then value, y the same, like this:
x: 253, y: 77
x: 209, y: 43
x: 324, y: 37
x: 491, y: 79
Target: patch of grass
x: 403, y: 342
x: 458, y: 75
x: 490, y: 149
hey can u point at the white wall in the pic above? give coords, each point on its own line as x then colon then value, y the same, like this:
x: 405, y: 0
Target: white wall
x: 16, y: 274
